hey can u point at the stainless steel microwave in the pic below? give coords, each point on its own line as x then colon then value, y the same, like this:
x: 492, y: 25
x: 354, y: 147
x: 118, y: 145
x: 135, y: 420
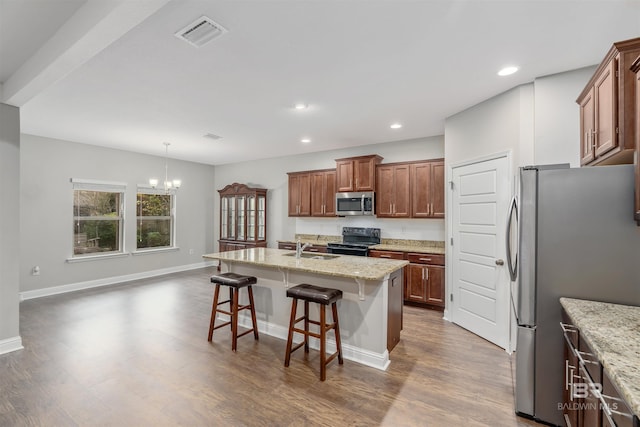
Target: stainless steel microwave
x: 359, y: 203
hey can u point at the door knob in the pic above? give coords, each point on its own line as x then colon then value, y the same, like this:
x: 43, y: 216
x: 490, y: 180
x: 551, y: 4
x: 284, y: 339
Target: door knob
x: 499, y: 262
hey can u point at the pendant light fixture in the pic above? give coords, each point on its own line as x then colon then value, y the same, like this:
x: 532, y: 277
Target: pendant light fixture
x: 168, y: 185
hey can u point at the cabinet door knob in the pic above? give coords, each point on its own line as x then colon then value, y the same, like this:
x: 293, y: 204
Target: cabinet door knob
x: 499, y: 262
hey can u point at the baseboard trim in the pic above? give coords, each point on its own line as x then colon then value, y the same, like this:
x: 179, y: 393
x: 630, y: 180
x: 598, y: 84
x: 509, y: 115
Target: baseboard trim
x: 11, y: 344
x: 55, y: 290
x: 356, y: 354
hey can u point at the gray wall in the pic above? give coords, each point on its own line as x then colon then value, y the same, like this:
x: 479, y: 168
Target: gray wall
x: 47, y: 199
x: 502, y: 123
x: 9, y: 226
x: 557, y: 124
x: 537, y: 123
x: 272, y: 174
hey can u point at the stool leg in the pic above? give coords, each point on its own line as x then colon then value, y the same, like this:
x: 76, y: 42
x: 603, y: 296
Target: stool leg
x: 253, y: 313
x: 216, y: 293
x: 292, y: 322
x: 231, y: 292
x: 323, y: 342
x: 334, y: 309
x: 306, y: 326
x: 234, y: 321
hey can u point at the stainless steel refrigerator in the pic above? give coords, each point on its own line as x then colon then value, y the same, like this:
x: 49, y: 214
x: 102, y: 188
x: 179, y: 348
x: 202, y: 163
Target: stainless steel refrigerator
x: 576, y: 238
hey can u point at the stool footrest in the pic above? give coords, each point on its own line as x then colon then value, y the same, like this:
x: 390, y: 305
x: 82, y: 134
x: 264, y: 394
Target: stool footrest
x: 297, y: 346
x: 302, y: 331
x: 245, y: 333
x: 330, y: 358
x: 221, y: 325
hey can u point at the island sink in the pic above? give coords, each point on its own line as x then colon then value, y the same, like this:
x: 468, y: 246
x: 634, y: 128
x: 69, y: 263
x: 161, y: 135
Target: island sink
x: 313, y: 255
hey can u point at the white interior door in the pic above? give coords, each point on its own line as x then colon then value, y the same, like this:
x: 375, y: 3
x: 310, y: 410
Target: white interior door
x: 479, y: 275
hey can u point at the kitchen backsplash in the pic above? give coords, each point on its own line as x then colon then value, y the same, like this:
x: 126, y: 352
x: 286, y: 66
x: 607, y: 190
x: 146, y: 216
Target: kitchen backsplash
x: 404, y: 229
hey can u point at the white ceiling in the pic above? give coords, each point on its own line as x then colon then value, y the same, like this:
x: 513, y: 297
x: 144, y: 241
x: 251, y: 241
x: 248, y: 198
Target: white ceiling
x: 111, y: 73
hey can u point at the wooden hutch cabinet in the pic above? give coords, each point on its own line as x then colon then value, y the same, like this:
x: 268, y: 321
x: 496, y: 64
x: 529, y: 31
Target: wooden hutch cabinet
x: 243, y: 217
x: 356, y: 173
x: 608, y: 108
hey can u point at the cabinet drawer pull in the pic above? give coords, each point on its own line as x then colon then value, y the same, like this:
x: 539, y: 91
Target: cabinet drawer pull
x: 385, y: 256
x: 584, y: 361
x: 424, y: 259
x: 313, y: 250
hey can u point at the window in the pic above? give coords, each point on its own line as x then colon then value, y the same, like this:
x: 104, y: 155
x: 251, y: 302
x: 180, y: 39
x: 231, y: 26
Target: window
x: 155, y: 219
x: 97, y: 218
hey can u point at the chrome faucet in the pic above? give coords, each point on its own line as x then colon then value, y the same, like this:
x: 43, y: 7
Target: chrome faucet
x: 300, y: 247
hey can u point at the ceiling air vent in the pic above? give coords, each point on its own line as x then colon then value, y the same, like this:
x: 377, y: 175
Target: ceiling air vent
x: 201, y: 31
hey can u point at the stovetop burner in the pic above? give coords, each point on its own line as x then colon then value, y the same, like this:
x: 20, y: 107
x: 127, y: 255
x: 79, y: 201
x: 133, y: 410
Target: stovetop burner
x: 355, y: 241
x: 360, y: 236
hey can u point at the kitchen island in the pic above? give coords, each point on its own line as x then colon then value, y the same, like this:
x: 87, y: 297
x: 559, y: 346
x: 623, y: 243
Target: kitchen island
x: 370, y: 310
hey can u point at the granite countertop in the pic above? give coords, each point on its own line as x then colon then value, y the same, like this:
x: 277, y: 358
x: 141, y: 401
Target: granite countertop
x: 613, y: 333
x: 419, y: 246
x: 400, y: 245
x: 354, y: 267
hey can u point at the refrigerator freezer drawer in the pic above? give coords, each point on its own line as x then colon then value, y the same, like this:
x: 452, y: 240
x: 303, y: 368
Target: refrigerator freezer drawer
x: 525, y: 371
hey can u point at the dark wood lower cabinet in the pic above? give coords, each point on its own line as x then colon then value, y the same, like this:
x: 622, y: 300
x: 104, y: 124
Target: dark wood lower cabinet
x: 394, y: 318
x: 424, y: 277
x: 590, y: 399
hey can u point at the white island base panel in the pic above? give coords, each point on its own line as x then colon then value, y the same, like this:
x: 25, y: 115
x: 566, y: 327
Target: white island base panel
x: 363, y: 322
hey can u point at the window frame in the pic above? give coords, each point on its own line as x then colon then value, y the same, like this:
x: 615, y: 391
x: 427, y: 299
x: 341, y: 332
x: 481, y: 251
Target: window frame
x: 145, y: 189
x: 105, y: 187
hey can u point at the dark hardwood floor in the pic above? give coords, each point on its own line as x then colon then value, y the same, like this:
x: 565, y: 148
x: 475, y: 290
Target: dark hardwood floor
x: 137, y: 355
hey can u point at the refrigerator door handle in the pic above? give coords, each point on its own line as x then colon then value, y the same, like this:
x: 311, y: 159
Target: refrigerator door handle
x: 511, y: 263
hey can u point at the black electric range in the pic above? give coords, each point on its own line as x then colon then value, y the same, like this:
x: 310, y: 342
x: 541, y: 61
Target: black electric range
x: 355, y: 241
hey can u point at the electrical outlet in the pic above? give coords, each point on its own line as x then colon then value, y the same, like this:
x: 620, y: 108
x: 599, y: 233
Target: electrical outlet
x: 191, y: 251
x: 35, y: 271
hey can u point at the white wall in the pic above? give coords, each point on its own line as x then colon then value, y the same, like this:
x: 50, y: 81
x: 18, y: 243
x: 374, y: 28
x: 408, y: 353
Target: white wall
x: 537, y: 123
x: 9, y: 227
x: 557, y: 124
x: 502, y: 123
x: 272, y: 174
x: 47, y: 199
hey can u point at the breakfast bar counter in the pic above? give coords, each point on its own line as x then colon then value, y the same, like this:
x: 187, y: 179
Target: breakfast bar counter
x: 370, y: 310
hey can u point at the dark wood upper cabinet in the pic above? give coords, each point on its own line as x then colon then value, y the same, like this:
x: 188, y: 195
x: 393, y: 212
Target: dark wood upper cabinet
x: 356, y: 173
x: 299, y: 194
x: 608, y: 104
x: 427, y: 189
x: 323, y: 192
x: 393, y: 191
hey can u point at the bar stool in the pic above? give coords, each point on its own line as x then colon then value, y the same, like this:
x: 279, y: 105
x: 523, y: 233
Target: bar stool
x: 323, y: 297
x: 234, y: 282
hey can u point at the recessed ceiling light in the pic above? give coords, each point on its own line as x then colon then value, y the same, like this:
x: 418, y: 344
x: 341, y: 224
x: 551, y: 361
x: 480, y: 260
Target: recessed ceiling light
x: 395, y: 126
x: 506, y: 71
x: 305, y: 140
x: 301, y: 106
